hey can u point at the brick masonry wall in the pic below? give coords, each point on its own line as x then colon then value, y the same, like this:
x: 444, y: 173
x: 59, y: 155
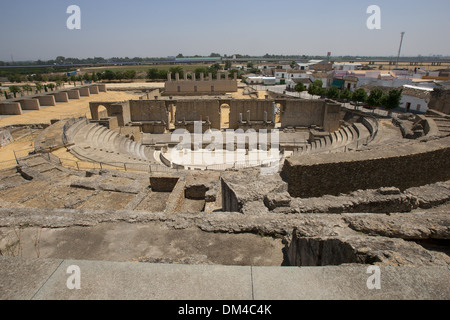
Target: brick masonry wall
x: 403, y: 167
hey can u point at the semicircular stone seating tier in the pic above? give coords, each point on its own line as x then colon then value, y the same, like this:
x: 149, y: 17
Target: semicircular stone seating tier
x: 94, y: 142
x: 342, y: 140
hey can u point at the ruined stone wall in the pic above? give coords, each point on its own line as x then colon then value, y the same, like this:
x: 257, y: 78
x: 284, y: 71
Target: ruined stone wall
x: 440, y: 100
x: 256, y: 108
x: 402, y: 167
x: 148, y: 110
x: 302, y: 113
x: 200, y: 87
x: 196, y: 110
x: 332, y: 117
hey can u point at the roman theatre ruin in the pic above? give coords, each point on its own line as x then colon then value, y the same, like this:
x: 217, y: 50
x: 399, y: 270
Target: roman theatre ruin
x: 293, y: 182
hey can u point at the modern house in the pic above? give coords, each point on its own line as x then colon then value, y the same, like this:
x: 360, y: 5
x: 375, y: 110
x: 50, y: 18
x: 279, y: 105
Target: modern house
x: 415, y: 99
x: 291, y: 83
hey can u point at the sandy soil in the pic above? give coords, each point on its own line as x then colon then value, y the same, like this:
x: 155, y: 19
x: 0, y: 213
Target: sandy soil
x: 73, y: 108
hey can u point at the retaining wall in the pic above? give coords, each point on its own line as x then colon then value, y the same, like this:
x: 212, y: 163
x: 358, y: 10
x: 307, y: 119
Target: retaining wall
x: 10, y: 108
x: 30, y: 104
x: 47, y: 100
x: 74, y: 94
x: 402, y: 167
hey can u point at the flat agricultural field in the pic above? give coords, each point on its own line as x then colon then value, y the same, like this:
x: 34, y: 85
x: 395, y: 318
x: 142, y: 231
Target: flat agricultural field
x: 145, y: 68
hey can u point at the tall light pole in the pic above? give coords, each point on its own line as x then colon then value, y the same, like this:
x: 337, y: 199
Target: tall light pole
x: 399, y: 49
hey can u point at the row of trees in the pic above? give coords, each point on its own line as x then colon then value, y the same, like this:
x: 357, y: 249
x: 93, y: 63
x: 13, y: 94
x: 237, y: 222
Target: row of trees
x: 94, y: 76
x: 376, y: 97
x: 38, y: 87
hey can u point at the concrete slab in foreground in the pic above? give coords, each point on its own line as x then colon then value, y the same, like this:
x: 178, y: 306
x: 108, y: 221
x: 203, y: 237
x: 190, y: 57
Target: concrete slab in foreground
x: 42, y: 279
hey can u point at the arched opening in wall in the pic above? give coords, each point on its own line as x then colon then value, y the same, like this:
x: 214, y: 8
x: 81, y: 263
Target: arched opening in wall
x: 172, y: 111
x: 102, y: 112
x: 224, y: 116
x: 277, y: 112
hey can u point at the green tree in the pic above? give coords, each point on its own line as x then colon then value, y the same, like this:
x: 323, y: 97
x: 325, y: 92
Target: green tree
x: 94, y: 77
x: 199, y: 71
x: 321, y: 92
x: 333, y: 93
x: 119, y: 75
x: 345, y: 95
x: 27, y: 88
x: 109, y: 75
x: 86, y: 77
x: 180, y: 55
x: 14, y: 90
x: 359, y: 95
x: 130, y: 74
x: 316, y: 88
x: 51, y: 86
x: 38, y: 87
x: 299, y: 87
x: 233, y: 71
x: 293, y: 64
x: 153, y: 73
x: 80, y: 79
x: 375, y: 97
x: 216, y: 66
x: 392, y: 99
x: 175, y: 70
x: 162, y: 74
x: 318, y: 83
x: 250, y: 65
x: 73, y: 79
x: 312, y: 89
x: 228, y: 64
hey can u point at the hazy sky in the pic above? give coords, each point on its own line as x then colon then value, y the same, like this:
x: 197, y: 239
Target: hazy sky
x: 32, y: 30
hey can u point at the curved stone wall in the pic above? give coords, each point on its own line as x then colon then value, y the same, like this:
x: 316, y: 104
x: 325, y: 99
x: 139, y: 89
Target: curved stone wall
x: 403, y: 167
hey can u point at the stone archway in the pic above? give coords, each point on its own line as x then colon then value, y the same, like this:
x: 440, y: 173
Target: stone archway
x: 99, y: 110
x: 102, y: 112
x: 113, y: 109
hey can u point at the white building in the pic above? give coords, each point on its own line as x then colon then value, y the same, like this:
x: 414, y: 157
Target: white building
x: 291, y: 83
x: 325, y: 77
x: 415, y: 99
x: 261, y: 80
x: 346, y: 66
x: 283, y: 75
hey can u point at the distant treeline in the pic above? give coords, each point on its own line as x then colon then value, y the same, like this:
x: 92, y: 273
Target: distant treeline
x: 60, y: 60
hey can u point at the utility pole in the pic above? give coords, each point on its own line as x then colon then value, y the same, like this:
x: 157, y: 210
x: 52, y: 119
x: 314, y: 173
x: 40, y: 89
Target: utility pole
x: 400, y: 49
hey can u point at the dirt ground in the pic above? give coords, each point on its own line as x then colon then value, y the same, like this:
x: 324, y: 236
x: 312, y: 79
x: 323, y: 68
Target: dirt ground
x: 73, y: 108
